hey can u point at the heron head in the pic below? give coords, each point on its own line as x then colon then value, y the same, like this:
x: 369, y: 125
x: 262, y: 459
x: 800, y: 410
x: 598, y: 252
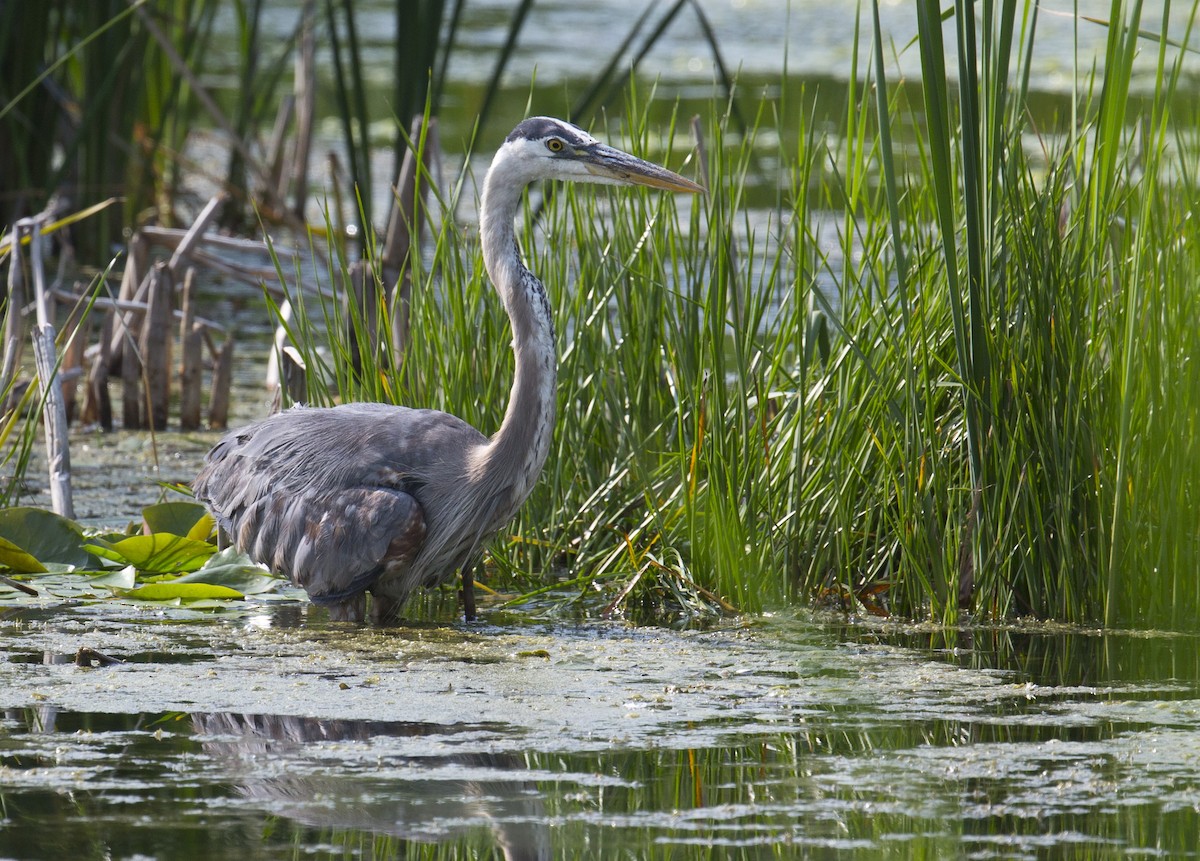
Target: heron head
x: 546, y: 148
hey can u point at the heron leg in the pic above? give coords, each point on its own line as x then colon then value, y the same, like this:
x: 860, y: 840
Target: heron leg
x: 353, y: 610
x: 384, y: 610
x: 468, y: 589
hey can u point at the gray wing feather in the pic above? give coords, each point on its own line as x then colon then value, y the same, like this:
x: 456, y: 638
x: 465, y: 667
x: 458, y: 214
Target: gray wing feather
x: 337, y: 549
x: 333, y: 497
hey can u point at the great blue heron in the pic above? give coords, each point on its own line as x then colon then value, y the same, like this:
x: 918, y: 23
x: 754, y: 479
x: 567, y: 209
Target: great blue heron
x: 375, y: 498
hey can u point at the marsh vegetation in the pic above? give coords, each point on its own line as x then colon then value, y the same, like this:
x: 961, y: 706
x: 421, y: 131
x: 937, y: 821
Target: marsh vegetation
x: 926, y: 355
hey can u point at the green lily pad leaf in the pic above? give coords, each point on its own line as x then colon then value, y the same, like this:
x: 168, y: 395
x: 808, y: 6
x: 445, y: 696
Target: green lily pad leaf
x: 160, y: 553
x: 181, y: 591
x: 44, y: 535
x: 212, y: 604
x: 203, y: 528
x: 104, y: 549
x: 122, y: 578
x: 170, y: 602
x: 12, y: 556
x: 235, y: 570
x: 188, y: 519
x: 104, y: 557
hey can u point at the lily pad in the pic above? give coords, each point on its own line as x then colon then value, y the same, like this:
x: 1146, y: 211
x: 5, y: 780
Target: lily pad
x: 188, y: 519
x: 118, y: 578
x: 160, y: 553
x: 44, y: 535
x: 173, y: 590
x: 235, y: 570
x: 12, y: 556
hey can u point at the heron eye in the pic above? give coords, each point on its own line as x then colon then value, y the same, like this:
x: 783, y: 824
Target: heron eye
x: 554, y: 145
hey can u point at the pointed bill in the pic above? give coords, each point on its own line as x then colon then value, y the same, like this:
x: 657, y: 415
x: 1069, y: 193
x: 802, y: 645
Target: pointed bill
x: 621, y: 167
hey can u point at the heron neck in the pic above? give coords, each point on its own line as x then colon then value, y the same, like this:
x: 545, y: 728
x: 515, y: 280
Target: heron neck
x: 516, y: 452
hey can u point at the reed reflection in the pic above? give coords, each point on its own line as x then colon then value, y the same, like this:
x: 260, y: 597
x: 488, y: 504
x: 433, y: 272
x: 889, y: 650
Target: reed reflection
x: 339, y: 774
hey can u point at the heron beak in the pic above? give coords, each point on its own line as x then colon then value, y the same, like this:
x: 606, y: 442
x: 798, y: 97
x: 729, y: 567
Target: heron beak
x: 623, y: 168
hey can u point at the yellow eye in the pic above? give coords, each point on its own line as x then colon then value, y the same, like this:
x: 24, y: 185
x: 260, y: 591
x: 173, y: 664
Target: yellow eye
x: 554, y: 145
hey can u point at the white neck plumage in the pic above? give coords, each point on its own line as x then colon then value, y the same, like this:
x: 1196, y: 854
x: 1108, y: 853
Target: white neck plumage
x: 515, y: 454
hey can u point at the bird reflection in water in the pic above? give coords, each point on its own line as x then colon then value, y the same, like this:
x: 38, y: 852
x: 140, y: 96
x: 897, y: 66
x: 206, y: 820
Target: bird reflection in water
x: 297, y: 767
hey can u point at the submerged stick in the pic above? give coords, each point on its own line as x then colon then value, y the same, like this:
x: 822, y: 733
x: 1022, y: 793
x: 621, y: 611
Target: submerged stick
x: 54, y: 413
x: 103, y: 303
x: 97, y: 405
x: 293, y: 385
x: 18, y: 585
x: 295, y: 375
x: 131, y: 381
x: 136, y: 259
x: 14, y: 335
x: 218, y: 404
x: 156, y: 347
x: 191, y: 345
x: 77, y: 328
x: 278, y: 343
x: 171, y: 237
x: 194, y: 234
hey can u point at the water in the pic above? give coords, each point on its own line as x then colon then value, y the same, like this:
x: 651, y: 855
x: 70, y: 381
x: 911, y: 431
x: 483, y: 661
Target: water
x: 265, y: 732
x: 798, y: 54
x: 563, y: 43
x: 268, y: 733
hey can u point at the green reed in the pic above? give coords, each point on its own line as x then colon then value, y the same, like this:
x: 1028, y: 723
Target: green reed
x: 994, y: 415
x: 980, y: 400
x: 1041, y: 259
x: 983, y: 405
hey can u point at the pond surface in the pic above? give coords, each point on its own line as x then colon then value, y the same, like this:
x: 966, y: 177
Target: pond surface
x: 564, y: 42
x: 798, y: 55
x: 272, y: 734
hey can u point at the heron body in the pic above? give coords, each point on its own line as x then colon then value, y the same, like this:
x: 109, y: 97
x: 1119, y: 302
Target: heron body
x: 384, y: 499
